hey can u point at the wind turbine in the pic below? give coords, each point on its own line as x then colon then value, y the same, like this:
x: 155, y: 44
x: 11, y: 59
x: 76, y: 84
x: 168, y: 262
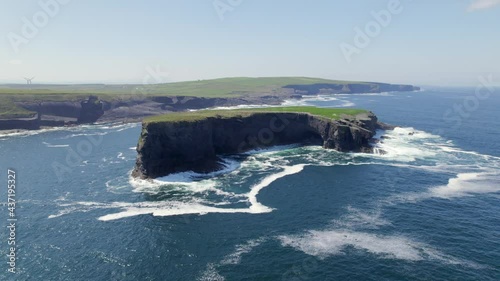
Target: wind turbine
x: 28, y: 80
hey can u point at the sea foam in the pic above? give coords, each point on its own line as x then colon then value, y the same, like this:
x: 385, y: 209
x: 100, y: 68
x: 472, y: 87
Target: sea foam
x: 326, y: 243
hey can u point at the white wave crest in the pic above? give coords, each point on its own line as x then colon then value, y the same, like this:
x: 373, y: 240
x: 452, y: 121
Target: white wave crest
x: 403, y: 144
x: 192, y: 205
x: 252, y: 196
x: 468, y: 184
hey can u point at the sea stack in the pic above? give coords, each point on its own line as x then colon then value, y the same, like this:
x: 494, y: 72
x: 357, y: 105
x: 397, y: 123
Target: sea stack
x: 193, y: 141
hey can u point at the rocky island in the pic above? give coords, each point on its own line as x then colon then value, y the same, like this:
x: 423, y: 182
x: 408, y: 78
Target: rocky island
x: 193, y: 141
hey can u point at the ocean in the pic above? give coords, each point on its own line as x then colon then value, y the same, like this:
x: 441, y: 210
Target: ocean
x: 425, y: 206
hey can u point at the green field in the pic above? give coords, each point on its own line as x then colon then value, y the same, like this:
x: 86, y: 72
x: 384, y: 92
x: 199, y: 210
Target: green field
x: 224, y: 87
x: 9, y: 110
x: 331, y: 113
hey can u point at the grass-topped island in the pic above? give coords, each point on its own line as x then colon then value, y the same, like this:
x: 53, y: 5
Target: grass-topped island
x: 192, y: 141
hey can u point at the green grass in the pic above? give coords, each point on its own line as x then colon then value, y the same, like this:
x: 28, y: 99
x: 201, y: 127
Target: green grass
x: 10, y: 110
x: 331, y: 113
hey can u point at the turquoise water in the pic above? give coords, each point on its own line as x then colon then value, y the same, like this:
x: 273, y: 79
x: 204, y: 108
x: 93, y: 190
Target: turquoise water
x: 427, y: 210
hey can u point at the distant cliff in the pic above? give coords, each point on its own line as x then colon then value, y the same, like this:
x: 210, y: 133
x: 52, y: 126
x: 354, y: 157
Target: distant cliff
x: 350, y: 88
x: 56, y: 114
x: 91, y: 110
x: 30, y: 123
x: 135, y: 103
x: 178, y: 146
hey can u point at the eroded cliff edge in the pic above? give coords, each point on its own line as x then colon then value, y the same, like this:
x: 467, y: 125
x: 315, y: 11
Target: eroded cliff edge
x: 178, y: 146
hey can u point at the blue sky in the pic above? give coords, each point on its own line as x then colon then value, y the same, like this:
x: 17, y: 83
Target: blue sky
x: 446, y: 42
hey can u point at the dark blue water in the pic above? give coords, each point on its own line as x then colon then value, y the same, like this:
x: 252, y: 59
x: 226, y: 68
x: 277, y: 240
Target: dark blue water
x: 427, y: 210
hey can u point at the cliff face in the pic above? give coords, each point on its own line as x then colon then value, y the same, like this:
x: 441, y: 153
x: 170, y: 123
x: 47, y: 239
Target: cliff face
x: 57, y: 113
x: 32, y: 123
x: 92, y: 109
x: 171, y: 147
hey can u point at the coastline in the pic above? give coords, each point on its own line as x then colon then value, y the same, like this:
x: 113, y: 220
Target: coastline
x: 139, y: 112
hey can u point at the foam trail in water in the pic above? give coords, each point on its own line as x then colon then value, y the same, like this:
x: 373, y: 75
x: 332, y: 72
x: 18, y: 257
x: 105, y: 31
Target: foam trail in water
x: 240, y: 250
x: 84, y: 135
x: 172, y: 209
x: 234, y: 258
x: 333, y: 242
x: 191, y: 206
x: 80, y: 128
x: 28, y: 133
x: 350, y: 231
x: 323, y: 244
x: 55, y: 145
x: 181, y: 208
x: 449, y: 148
x: 252, y: 196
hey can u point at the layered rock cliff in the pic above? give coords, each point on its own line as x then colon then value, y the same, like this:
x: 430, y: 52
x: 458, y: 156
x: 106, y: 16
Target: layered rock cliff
x: 31, y: 123
x: 57, y: 113
x: 92, y: 109
x: 133, y: 107
x: 172, y: 147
